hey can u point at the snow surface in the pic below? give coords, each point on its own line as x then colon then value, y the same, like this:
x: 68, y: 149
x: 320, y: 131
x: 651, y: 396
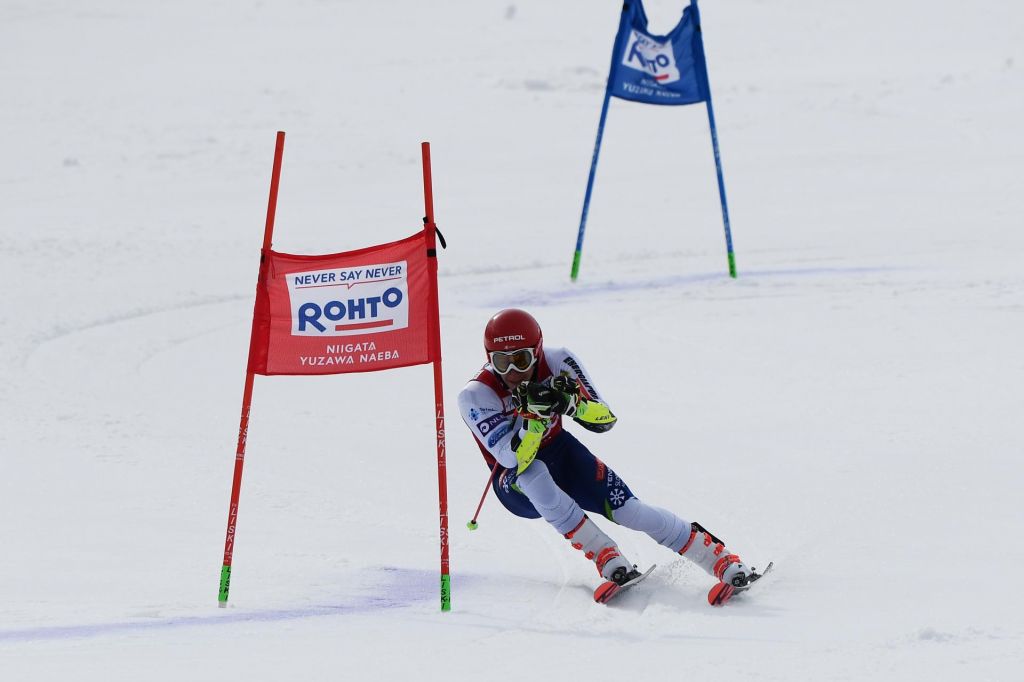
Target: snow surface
x: 850, y: 407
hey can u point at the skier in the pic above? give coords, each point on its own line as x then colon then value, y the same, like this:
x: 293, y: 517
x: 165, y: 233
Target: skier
x: 514, y: 408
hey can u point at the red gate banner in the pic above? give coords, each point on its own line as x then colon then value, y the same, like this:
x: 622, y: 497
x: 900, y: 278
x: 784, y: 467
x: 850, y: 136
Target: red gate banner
x: 358, y: 311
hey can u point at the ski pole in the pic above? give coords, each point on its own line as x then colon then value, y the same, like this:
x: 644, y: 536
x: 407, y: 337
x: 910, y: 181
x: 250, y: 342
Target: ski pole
x: 472, y: 524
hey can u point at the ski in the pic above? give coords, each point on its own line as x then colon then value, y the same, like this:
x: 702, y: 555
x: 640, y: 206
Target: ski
x: 723, y: 592
x: 608, y: 590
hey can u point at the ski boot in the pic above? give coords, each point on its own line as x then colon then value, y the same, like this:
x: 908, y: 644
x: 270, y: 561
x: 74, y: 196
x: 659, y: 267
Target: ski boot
x: 708, y: 552
x: 600, y: 548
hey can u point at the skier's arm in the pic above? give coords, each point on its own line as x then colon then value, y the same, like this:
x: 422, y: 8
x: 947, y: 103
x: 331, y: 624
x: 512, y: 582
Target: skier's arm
x: 594, y: 415
x: 496, y: 431
x: 591, y: 412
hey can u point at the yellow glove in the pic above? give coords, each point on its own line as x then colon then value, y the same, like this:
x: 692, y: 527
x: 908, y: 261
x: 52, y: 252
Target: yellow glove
x: 593, y: 412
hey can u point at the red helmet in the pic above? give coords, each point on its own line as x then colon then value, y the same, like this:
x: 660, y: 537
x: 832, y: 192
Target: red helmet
x: 512, y: 329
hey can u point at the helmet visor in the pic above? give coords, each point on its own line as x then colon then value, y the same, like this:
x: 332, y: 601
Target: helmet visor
x: 519, y: 360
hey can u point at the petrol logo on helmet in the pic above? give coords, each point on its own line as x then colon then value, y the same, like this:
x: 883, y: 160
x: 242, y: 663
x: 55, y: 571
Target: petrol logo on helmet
x: 367, y: 299
x: 506, y: 339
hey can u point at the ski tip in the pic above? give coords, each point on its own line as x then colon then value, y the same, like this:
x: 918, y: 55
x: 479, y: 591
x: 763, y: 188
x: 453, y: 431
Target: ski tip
x: 755, y: 575
x: 605, y: 591
x: 720, y: 594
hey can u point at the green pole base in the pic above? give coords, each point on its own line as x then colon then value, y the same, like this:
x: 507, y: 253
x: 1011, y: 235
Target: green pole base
x: 732, y: 265
x: 446, y: 592
x: 225, y: 585
x: 575, y: 265
x: 472, y: 525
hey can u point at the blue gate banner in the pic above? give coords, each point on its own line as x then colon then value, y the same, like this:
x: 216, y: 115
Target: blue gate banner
x: 667, y: 69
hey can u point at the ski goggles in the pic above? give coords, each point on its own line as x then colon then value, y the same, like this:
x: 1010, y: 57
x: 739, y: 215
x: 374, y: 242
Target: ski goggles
x: 520, y: 360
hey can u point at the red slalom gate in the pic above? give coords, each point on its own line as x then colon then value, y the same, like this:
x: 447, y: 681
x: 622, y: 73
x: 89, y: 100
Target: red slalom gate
x: 366, y: 310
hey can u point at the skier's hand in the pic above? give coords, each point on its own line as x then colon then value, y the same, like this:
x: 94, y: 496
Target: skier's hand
x: 521, y: 395
x: 544, y: 401
x: 567, y: 385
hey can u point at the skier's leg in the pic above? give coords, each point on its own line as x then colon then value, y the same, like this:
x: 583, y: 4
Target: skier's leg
x: 562, y: 512
x: 683, y: 537
x: 599, y: 489
x: 511, y: 495
x: 586, y: 478
x: 557, y: 508
x: 663, y: 526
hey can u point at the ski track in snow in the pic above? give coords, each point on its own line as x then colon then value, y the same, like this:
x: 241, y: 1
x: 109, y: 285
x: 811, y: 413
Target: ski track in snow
x: 401, y: 588
x: 62, y: 632
x: 556, y: 296
x: 40, y: 339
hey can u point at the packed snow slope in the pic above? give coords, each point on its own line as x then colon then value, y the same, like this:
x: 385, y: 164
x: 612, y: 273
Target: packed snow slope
x: 849, y: 407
